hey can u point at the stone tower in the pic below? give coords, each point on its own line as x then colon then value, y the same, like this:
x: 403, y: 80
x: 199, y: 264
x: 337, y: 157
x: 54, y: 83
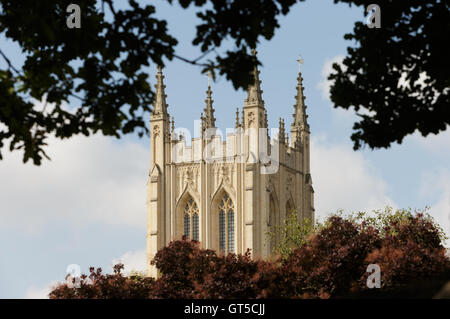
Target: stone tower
x: 227, y: 192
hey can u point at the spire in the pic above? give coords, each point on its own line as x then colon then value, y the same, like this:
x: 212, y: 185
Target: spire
x: 254, y: 92
x: 300, y: 117
x: 209, y: 119
x: 160, y: 105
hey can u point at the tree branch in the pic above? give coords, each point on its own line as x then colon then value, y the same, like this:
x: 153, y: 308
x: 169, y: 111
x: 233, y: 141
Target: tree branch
x: 110, y: 5
x: 204, y: 54
x: 9, y: 62
x: 193, y: 62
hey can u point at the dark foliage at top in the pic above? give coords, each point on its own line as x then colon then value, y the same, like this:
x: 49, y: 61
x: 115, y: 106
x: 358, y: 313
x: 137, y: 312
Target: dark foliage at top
x: 412, y: 45
x: 103, y: 66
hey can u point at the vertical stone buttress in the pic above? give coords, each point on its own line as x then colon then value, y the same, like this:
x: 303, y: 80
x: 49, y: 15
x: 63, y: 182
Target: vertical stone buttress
x: 208, y: 126
x: 158, y: 199
x: 255, y: 203
x: 300, y: 134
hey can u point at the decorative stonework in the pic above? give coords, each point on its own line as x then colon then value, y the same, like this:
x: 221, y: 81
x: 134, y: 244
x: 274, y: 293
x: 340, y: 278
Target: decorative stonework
x: 250, y: 119
x: 226, y: 174
x: 188, y: 175
x: 156, y: 130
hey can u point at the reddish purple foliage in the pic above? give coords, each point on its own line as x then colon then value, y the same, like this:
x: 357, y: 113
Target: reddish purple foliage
x: 332, y: 263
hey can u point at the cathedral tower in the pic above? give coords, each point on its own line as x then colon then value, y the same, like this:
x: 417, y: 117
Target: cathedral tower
x: 227, y: 192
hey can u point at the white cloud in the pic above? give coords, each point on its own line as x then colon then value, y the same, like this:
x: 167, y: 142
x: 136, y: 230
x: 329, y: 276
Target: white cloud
x: 327, y: 69
x: 344, y: 179
x: 437, y: 144
x: 89, y: 179
x: 435, y: 183
x: 39, y: 293
x: 343, y: 117
x: 133, y: 261
x: 436, y: 188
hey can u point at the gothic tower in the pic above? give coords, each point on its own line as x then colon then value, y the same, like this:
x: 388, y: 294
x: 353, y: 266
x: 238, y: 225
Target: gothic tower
x: 227, y: 192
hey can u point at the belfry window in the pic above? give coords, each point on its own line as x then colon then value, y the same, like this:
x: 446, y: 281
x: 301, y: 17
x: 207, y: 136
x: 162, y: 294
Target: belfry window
x: 191, y: 222
x: 226, y: 225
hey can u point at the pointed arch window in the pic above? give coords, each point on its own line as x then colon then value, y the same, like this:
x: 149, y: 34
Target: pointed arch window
x: 226, y: 225
x: 191, y: 222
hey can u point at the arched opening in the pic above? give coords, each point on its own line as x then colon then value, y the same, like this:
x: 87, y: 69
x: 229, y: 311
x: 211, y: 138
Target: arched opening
x: 226, y: 225
x: 190, y: 219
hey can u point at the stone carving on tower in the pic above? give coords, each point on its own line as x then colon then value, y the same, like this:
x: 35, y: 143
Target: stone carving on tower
x: 221, y: 192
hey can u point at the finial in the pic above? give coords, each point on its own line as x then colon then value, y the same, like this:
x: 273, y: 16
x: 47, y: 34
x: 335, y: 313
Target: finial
x: 209, y: 119
x: 300, y: 117
x: 173, y: 124
x: 300, y: 62
x: 209, y: 78
x: 160, y: 105
x: 254, y: 92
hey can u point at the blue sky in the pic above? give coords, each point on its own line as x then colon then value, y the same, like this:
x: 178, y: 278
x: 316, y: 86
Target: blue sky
x: 87, y: 205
